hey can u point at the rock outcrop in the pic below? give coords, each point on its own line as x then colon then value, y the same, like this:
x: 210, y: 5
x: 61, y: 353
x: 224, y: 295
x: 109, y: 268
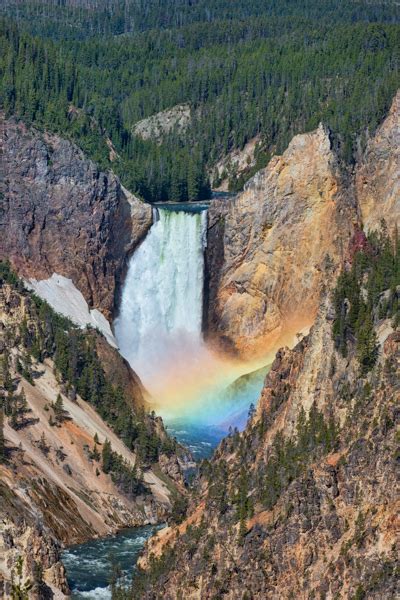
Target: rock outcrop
x: 157, y: 126
x: 61, y: 214
x: 275, y: 246
x: 378, y: 175
x: 278, y: 240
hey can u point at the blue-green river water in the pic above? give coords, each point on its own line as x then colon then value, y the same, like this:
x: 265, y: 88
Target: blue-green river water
x: 89, y: 565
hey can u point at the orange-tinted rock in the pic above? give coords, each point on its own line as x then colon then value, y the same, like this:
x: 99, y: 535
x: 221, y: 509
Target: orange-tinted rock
x: 282, y: 238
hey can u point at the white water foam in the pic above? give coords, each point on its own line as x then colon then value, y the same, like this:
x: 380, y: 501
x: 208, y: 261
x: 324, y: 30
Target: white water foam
x: 99, y: 593
x: 160, y: 319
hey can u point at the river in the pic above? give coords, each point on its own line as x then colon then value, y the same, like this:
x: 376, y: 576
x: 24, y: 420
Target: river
x: 89, y: 565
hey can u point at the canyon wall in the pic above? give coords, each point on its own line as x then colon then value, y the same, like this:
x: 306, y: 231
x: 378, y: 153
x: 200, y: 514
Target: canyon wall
x: 61, y: 214
x: 274, y: 247
x: 54, y: 486
x: 378, y: 174
x: 303, y: 503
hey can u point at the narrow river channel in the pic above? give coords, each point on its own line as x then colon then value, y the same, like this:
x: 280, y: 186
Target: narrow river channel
x: 89, y: 565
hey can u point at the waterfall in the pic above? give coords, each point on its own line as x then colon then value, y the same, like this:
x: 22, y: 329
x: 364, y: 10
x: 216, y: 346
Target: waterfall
x: 161, y: 309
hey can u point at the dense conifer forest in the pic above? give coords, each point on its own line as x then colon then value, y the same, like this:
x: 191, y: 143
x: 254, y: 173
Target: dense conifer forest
x: 91, y: 70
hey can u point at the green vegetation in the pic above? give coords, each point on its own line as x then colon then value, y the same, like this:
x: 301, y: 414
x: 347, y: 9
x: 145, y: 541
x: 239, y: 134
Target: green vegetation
x: 122, y: 473
x: 79, y: 19
x: 179, y: 509
x: 12, y: 405
x: 60, y: 413
x: 19, y: 588
x: 268, y: 69
x: 289, y: 457
x: 366, y: 291
x: 79, y: 369
x: 2, y: 440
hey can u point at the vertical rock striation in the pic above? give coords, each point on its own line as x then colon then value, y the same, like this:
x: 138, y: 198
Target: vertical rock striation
x: 274, y: 247
x: 61, y: 214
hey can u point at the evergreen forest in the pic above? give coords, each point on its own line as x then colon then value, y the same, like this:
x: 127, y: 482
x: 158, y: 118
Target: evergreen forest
x: 90, y: 71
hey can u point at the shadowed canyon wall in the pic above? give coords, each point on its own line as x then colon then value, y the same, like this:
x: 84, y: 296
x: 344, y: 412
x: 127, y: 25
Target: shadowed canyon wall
x: 60, y: 214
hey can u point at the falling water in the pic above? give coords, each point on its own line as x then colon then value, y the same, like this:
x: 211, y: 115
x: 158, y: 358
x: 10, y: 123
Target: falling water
x: 198, y: 392
x: 162, y: 301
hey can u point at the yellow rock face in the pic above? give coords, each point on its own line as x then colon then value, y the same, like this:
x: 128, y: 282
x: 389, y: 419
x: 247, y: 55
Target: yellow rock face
x: 284, y: 237
x: 280, y: 241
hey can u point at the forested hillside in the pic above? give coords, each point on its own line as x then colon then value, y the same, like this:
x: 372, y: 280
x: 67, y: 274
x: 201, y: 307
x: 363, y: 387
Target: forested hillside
x: 91, y: 70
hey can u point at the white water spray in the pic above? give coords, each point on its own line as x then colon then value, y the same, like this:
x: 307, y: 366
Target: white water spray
x: 159, y: 331
x: 161, y: 311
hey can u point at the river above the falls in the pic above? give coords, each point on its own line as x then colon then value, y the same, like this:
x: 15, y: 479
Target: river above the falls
x: 90, y: 565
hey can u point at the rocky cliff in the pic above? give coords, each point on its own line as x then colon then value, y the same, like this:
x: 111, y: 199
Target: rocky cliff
x: 304, y: 503
x: 57, y: 485
x: 377, y: 176
x: 61, y: 214
x: 273, y: 247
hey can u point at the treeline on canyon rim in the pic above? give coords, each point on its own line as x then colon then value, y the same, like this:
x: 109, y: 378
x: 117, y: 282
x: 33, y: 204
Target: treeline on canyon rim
x: 247, y: 69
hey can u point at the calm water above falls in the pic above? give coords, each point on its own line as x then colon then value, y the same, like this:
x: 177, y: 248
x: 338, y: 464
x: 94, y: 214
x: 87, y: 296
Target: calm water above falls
x: 89, y: 565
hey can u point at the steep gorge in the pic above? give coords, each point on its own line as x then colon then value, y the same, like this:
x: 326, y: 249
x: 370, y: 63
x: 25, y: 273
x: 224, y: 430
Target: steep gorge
x: 274, y: 246
x: 271, y: 519
x: 303, y: 503
x: 58, y: 482
x: 272, y: 252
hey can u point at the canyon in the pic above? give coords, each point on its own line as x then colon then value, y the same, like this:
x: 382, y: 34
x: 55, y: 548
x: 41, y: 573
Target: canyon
x: 304, y: 503
x: 272, y: 257
x: 269, y: 251
x: 54, y: 491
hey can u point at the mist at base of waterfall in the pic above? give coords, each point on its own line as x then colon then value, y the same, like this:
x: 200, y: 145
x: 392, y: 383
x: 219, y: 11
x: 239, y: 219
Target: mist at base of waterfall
x: 198, y: 392
x: 211, y: 415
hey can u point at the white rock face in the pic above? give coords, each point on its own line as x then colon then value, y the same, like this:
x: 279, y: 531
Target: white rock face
x: 158, y: 125
x: 67, y: 300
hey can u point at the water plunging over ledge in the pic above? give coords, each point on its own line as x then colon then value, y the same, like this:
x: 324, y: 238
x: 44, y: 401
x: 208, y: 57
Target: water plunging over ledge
x: 159, y: 331
x: 162, y: 300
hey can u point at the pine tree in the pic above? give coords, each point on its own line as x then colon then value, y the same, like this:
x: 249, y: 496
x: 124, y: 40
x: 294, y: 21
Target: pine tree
x: 367, y: 349
x: 252, y: 412
x: 43, y: 445
x: 58, y: 407
x: 106, y: 456
x: 14, y: 421
x: 2, y: 440
x: 22, y: 406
